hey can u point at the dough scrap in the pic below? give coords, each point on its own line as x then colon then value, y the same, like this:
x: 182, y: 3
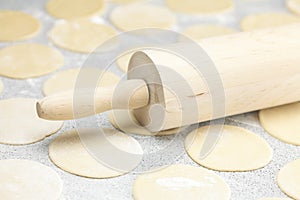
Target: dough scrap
x: 180, y: 182
x: 282, y: 122
x: 126, y: 122
x: 293, y: 6
x: 66, y: 9
x: 267, y: 20
x: 17, y: 25
x: 80, y: 35
x: 289, y: 179
x: 28, y: 60
x: 24, y: 179
x: 66, y: 80
x: 69, y: 154
x: 200, y: 6
x: 138, y: 16
x: 199, y: 32
x: 236, y: 150
x: 20, y: 123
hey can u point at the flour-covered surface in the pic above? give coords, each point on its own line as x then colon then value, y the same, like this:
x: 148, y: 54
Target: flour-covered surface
x: 244, y: 185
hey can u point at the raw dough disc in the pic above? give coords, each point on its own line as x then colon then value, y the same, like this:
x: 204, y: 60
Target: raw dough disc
x: 282, y: 122
x: 66, y: 80
x: 29, y: 60
x: 267, y: 20
x: 69, y: 154
x: 294, y: 6
x: 137, y: 16
x: 180, y: 182
x: 17, y: 26
x: 24, y: 179
x: 289, y: 179
x: 126, y: 122
x: 20, y: 124
x: 237, y: 150
x: 200, y: 6
x: 1, y: 87
x: 66, y: 9
x: 198, y: 32
x: 80, y: 35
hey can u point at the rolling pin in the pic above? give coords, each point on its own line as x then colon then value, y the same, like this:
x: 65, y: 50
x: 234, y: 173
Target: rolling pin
x: 258, y: 70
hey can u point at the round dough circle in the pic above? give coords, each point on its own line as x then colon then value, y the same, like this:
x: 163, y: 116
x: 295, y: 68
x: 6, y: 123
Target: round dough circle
x: 24, y: 179
x: 282, y: 122
x: 69, y: 154
x: 17, y: 25
x: 180, y: 182
x: 29, y: 60
x: 236, y: 150
x: 199, y: 32
x: 267, y: 20
x: 80, y: 35
x: 289, y: 179
x: 200, y: 6
x: 20, y: 123
x: 294, y: 6
x: 66, y: 80
x: 67, y: 9
x: 126, y: 122
x: 138, y: 16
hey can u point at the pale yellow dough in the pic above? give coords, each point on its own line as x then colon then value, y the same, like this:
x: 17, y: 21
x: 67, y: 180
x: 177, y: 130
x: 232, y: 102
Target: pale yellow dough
x: 67, y: 9
x: 236, y: 150
x: 289, y: 179
x: 123, y: 61
x: 124, y: 1
x: 81, y: 35
x: 66, y: 80
x: 20, y: 123
x: 267, y: 20
x: 24, y: 179
x: 125, y: 121
x: 28, y: 60
x: 69, y: 154
x: 180, y: 182
x: 199, y: 32
x: 282, y: 122
x: 138, y: 16
x: 200, y: 6
x: 294, y: 6
x: 17, y: 25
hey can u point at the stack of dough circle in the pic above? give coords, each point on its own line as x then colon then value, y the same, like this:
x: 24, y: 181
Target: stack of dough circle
x: 125, y: 121
x: 28, y: 60
x: 289, y: 179
x: 267, y: 20
x: 294, y: 6
x: 200, y: 6
x: 198, y: 32
x: 17, y: 25
x: 21, y: 125
x: 24, y: 179
x: 66, y: 80
x: 67, y: 9
x: 282, y: 122
x: 1, y: 86
x: 81, y: 35
x: 180, y: 182
x: 138, y: 16
x: 237, y: 149
x: 68, y: 153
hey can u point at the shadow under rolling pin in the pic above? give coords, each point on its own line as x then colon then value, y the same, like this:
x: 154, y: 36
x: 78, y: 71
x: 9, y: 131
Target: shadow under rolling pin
x: 259, y: 69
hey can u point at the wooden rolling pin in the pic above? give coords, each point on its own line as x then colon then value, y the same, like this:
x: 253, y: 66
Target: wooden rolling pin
x: 259, y: 69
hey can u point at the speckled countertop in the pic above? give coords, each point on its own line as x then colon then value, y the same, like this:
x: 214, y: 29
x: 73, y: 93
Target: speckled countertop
x: 244, y: 185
